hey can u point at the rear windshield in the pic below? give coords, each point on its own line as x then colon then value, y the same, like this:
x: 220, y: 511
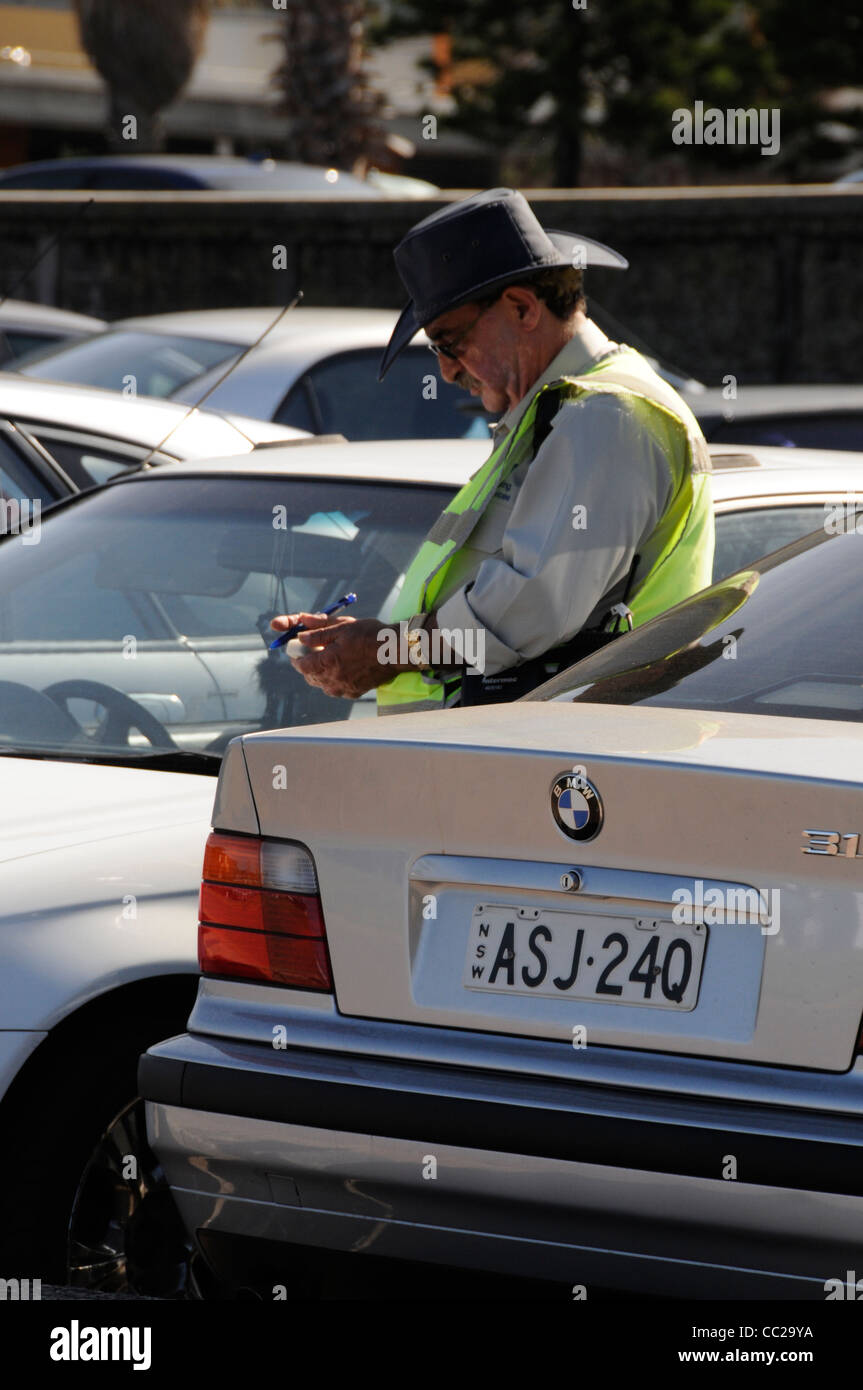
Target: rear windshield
x: 781, y: 637
x: 143, y: 364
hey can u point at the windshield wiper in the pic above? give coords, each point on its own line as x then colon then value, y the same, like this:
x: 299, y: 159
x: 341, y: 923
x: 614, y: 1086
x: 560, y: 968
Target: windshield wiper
x: 174, y: 760
x: 160, y: 760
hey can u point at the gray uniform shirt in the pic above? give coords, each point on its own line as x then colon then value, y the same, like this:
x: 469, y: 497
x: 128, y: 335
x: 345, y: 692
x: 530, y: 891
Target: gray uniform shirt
x: 536, y: 566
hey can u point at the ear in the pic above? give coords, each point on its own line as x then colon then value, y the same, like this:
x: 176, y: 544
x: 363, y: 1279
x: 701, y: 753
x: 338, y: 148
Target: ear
x: 523, y: 304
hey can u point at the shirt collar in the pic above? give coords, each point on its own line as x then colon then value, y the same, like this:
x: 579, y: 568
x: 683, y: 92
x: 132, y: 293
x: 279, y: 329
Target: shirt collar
x: 578, y: 353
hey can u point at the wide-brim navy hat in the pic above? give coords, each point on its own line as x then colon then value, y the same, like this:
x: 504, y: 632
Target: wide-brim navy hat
x: 463, y: 251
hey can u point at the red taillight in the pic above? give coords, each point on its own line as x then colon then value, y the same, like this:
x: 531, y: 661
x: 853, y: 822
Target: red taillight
x: 257, y: 909
x: 252, y: 955
x: 260, y: 914
x: 232, y: 859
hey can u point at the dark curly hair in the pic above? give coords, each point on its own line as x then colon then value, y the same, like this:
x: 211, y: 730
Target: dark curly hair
x: 559, y: 288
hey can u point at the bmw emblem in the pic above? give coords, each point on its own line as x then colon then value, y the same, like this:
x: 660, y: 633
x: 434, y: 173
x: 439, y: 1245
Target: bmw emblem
x: 576, y: 806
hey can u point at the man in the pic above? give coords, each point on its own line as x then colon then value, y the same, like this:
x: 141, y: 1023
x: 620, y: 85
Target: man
x: 594, y: 504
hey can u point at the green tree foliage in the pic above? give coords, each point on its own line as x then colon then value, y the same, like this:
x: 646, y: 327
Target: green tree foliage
x: 818, y: 51
x: 560, y: 86
x: 333, y: 112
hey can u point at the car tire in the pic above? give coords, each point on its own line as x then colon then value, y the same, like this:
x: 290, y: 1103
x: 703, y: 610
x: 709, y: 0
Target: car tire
x: 83, y: 1201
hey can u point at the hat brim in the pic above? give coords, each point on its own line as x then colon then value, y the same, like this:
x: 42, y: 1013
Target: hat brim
x: 592, y: 253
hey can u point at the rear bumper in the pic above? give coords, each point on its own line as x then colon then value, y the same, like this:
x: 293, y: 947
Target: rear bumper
x: 677, y: 1193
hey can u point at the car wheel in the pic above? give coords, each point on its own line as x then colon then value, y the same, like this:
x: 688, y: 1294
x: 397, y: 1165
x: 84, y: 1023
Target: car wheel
x: 83, y: 1200
x: 125, y: 1234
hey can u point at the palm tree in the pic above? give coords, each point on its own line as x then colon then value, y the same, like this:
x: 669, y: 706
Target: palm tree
x: 145, y: 51
x: 333, y: 113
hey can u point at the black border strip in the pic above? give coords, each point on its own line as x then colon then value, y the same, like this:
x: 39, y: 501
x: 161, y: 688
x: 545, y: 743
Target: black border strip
x: 696, y: 1150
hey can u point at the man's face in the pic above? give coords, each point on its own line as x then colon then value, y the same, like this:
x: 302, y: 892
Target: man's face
x: 480, y: 338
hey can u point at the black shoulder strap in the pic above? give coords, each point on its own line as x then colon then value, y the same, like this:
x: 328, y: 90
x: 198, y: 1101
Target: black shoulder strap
x: 547, y: 407
x: 550, y: 402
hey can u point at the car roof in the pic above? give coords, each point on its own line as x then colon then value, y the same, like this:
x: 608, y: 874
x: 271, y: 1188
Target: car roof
x: 768, y: 400
x: 738, y: 473
x: 46, y: 316
x: 446, y: 462
x: 245, y: 326
x: 217, y: 171
x: 767, y: 471
x: 139, y: 420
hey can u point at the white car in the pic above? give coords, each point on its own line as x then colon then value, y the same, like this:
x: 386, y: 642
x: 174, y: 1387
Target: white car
x: 316, y: 370
x: 26, y: 327
x: 569, y: 988
x: 787, y: 416
x: 132, y: 641
x: 91, y: 435
x: 192, y: 173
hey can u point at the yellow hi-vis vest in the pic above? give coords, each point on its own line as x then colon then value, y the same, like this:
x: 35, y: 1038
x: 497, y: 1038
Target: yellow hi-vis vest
x: 674, y: 561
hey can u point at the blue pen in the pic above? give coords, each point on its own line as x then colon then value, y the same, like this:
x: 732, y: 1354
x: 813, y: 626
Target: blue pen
x: 344, y: 602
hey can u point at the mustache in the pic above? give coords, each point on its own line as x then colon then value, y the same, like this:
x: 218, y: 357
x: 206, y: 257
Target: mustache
x: 466, y: 381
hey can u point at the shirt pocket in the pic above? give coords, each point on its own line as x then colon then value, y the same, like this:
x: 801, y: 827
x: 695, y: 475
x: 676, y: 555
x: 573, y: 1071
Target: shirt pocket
x: 487, y: 535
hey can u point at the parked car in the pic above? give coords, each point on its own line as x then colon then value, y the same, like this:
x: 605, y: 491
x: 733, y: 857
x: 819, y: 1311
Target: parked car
x: 792, y: 416
x: 547, y: 989
x: 131, y: 643
x: 132, y: 654
x: 188, y: 172
x: 317, y: 370
x: 58, y: 439
x: 25, y: 327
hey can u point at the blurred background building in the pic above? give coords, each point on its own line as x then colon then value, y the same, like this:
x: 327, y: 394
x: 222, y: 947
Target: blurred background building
x: 464, y: 92
x: 574, y: 102
x: 53, y: 100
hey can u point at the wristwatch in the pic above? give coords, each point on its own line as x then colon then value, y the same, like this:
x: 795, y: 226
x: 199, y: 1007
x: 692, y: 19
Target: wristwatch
x: 415, y: 634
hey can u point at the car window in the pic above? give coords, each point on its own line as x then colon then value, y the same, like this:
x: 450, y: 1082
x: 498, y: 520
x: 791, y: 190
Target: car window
x: 162, y: 588
x: 20, y: 481
x: 300, y: 410
x: 827, y: 430
x: 342, y: 395
x: 65, y: 611
x: 778, y: 637
x: 744, y: 536
x: 88, y: 460
x: 139, y: 363
x: 17, y: 342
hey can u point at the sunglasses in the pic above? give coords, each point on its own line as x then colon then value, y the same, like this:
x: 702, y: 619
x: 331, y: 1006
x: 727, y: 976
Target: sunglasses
x: 447, y: 349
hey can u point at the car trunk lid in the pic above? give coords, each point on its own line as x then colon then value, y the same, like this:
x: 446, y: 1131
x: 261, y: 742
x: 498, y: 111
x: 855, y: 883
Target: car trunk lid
x: 425, y: 829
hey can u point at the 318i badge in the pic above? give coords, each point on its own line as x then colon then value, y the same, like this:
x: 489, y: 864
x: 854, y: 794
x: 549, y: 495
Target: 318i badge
x: 576, y: 805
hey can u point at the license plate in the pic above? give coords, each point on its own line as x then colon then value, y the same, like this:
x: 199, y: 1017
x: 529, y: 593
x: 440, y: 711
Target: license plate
x: 613, y: 960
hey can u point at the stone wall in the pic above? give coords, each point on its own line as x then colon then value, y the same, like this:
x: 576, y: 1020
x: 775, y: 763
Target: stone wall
x: 763, y: 283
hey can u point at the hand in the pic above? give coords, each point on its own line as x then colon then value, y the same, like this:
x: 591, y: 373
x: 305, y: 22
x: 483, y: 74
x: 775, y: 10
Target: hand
x: 313, y: 621
x: 348, y: 666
